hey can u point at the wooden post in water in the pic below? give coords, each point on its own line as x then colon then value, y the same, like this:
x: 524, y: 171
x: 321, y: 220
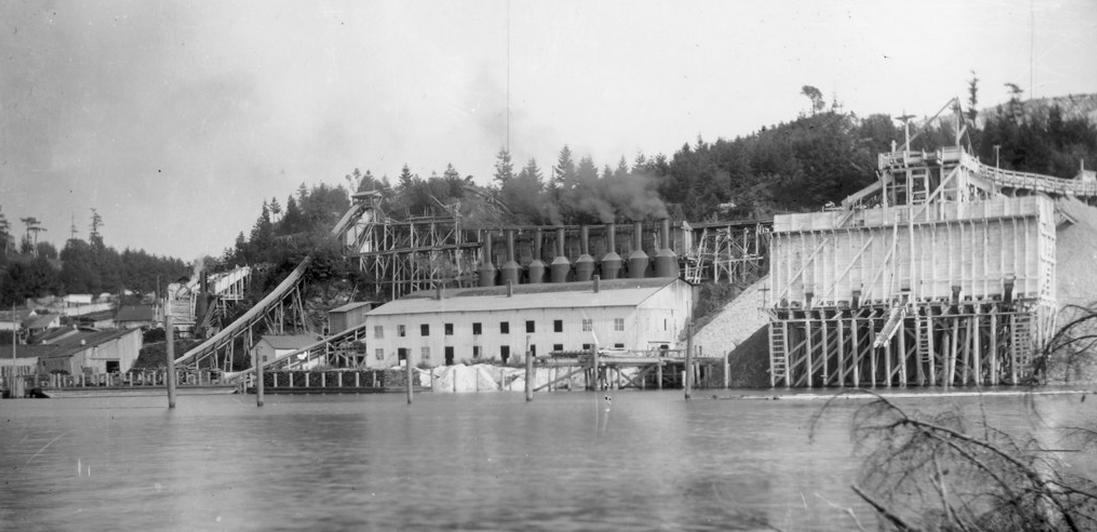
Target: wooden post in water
x: 594, y: 367
x: 410, y: 372
x: 529, y: 376
x: 688, y: 384
x: 169, y: 334
x: 258, y: 378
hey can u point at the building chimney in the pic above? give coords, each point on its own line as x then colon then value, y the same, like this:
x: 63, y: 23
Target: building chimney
x: 597, y: 282
x: 510, y: 270
x: 637, y: 259
x: 510, y: 289
x: 584, y: 265
x: 558, y: 270
x: 611, y: 263
x: 487, y: 269
x: 666, y: 262
x: 439, y: 291
x: 536, y: 267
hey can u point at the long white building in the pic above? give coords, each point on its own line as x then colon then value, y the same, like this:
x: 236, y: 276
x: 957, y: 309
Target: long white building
x: 469, y: 324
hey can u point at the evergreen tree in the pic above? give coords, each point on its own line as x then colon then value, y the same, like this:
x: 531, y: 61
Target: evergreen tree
x: 504, y: 169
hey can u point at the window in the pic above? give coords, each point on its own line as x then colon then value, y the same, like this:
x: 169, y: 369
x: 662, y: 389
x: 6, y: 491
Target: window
x: 532, y: 350
x: 504, y: 352
x: 530, y: 326
x: 588, y: 347
x: 379, y: 353
x: 588, y: 324
x: 449, y: 355
x: 618, y: 324
x: 401, y: 331
x: 424, y: 329
x: 475, y: 351
x: 476, y: 329
x: 664, y: 324
x: 378, y: 331
x: 448, y: 329
x: 618, y: 346
x: 425, y: 353
x: 557, y: 347
x: 504, y: 327
x: 557, y: 325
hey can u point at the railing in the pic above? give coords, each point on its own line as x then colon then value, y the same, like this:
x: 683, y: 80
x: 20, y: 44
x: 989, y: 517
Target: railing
x: 132, y: 379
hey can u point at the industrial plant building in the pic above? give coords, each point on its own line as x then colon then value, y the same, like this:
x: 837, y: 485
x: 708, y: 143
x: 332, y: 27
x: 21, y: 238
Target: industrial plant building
x: 501, y: 322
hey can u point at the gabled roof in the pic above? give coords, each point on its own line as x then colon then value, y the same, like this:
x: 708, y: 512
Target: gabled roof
x: 289, y: 341
x: 136, y: 313
x: 611, y: 293
x: 351, y: 306
x: 41, y: 322
x: 67, y: 345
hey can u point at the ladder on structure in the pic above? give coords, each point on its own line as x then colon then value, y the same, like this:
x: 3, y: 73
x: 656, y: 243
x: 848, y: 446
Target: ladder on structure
x: 778, y: 354
x: 694, y: 271
x: 924, y: 327
x: 1021, y: 345
x: 919, y: 184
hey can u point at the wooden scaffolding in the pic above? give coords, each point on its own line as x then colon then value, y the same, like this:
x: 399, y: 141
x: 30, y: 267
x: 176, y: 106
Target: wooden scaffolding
x: 931, y: 276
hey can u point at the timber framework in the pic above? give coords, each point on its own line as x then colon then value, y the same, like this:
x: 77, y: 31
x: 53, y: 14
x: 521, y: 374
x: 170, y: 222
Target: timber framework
x: 940, y: 273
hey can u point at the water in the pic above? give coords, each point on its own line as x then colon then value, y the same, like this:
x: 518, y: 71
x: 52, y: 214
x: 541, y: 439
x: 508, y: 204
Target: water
x: 475, y: 461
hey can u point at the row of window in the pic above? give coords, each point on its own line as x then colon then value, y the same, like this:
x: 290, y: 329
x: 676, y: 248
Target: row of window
x: 504, y: 352
x: 504, y: 327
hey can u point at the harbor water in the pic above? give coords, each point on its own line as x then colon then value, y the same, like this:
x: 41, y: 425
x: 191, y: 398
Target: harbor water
x: 491, y: 461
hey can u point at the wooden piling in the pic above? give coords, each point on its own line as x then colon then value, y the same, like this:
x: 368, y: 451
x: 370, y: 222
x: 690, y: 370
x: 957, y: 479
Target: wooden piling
x: 529, y: 377
x: 594, y: 368
x: 258, y: 379
x: 410, y: 372
x: 688, y: 382
x: 169, y: 335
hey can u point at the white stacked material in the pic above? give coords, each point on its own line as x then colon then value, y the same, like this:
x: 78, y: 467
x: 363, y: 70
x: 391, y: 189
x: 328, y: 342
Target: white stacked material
x: 739, y: 319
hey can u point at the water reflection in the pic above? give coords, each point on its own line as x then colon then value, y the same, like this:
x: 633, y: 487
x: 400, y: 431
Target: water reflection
x: 568, y: 461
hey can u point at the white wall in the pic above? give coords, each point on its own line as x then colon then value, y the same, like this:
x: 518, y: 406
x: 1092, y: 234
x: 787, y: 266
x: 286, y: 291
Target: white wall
x: 659, y: 319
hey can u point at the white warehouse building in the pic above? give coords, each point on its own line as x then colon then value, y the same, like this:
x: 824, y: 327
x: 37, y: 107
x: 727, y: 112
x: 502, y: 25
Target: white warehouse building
x: 483, y: 323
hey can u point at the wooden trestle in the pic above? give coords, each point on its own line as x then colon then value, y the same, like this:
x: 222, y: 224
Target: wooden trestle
x: 933, y: 344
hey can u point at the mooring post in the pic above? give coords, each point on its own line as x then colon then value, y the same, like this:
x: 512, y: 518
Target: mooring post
x: 169, y: 335
x: 688, y: 384
x: 529, y: 376
x: 410, y: 373
x: 594, y: 367
x: 258, y: 378
x: 727, y: 371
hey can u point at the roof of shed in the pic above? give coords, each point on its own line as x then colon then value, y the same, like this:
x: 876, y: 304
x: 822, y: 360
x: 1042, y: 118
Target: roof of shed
x: 67, y: 345
x: 136, y: 313
x: 289, y: 341
x: 611, y: 293
x: 351, y: 306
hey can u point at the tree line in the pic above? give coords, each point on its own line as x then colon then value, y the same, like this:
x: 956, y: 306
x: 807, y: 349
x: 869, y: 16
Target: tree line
x: 821, y: 156
x: 37, y: 269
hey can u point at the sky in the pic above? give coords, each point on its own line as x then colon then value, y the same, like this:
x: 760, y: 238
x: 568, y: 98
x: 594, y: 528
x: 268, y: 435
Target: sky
x: 175, y: 120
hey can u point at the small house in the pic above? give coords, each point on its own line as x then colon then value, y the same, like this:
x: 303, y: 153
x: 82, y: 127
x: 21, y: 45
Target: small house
x: 272, y: 347
x: 348, y: 316
x: 81, y: 351
x: 135, y: 317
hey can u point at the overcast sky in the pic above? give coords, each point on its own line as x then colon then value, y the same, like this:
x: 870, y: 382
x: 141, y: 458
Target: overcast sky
x: 175, y: 120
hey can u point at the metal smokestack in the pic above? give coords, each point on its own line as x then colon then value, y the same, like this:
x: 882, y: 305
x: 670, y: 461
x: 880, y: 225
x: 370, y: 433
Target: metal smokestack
x: 637, y: 260
x: 611, y: 263
x: 666, y: 262
x: 510, y: 270
x: 584, y: 265
x: 558, y: 270
x: 536, y: 267
x: 487, y: 269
